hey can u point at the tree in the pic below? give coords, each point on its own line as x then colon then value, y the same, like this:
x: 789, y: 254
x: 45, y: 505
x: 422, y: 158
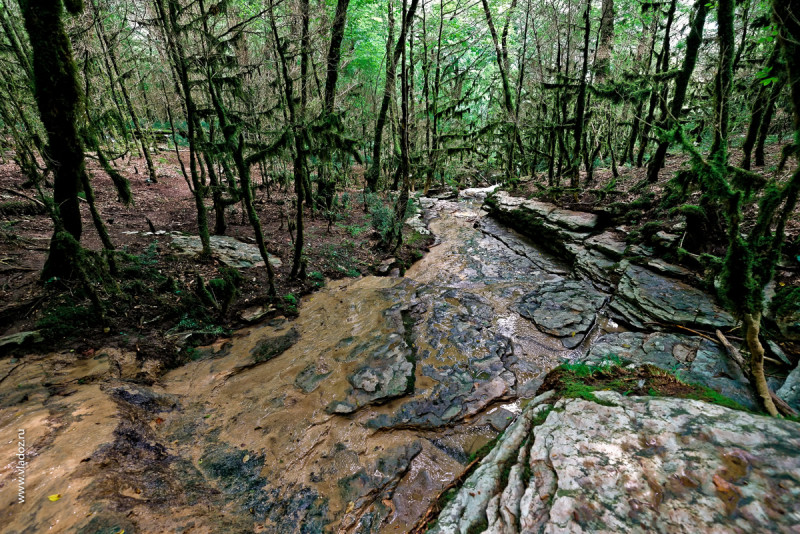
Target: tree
x: 59, y: 100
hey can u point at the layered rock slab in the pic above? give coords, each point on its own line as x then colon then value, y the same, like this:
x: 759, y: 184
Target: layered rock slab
x: 634, y: 464
x: 643, y: 296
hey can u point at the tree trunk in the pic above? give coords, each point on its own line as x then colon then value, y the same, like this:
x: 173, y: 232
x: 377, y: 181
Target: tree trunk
x: 375, y: 166
x: 58, y: 97
x: 693, y: 42
x: 752, y: 323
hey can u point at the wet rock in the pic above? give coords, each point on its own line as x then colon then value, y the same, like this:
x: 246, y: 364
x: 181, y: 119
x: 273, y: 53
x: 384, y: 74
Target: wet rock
x: 566, y: 310
x: 644, y: 297
x: 498, y: 419
x: 310, y: 378
x: 417, y: 223
x: 683, y: 465
x: 387, y: 373
x: 272, y: 347
x: 695, y: 359
x: 144, y: 398
x: 366, y: 490
x: 442, y: 193
x: 790, y: 391
x: 229, y: 250
x: 597, y: 267
x: 478, y: 192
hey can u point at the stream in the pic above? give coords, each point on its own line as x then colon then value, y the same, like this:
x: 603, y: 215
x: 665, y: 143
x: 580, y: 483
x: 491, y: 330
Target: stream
x: 351, y: 418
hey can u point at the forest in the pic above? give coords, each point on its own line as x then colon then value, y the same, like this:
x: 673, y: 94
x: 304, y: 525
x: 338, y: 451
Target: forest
x: 174, y: 173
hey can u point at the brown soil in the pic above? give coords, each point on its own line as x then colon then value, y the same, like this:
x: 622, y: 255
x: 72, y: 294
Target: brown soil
x: 148, y: 316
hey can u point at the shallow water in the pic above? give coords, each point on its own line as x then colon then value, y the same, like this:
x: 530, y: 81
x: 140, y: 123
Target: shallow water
x: 390, y: 385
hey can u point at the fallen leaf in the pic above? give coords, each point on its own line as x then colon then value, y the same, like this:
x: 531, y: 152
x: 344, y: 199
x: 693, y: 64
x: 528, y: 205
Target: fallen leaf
x: 54, y: 497
x: 246, y: 457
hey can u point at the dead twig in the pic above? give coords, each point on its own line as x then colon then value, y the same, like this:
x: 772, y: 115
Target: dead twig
x: 23, y: 195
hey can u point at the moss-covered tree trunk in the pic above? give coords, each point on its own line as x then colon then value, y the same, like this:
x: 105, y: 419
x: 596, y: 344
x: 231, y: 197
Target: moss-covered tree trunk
x: 693, y: 42
x: 58, y: 97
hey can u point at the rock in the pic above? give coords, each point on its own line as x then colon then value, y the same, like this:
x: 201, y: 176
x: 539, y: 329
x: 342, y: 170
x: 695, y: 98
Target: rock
x: 466, y: 364
x: 597, y: 267
x: 369, y: 488
x: 566, y: 310
x: 693, y: 358
x: 644, y: 297
x: 478, y: 192
x: 387, y: 373
x: 384, y: 266
x: 550, y: 227
x: 255, y: 314
x: 272, y: 347
x: 608, y: 243
x: 418, y: 224
x: 576, y: 221
x: 788, y: 324
x: 19, y: 339
x: 498, y: 418
x: 777, y: 351
x: 633, y: 465
x: 790, y: 391
x: 309, y: 378
x: 229, y: 250
x: 442, y: 193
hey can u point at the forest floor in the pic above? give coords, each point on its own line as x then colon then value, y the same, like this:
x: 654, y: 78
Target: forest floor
x: 162, y: 312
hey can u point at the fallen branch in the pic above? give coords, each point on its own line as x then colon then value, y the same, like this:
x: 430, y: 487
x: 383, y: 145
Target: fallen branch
x: 737, y: 357
x: 23, y: 195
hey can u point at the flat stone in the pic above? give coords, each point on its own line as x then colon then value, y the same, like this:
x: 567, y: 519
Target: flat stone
x: 387, y: 373
x: 229, y: 250
x: 692, y: 358
x: 577, y: 221
x: 608, y: 243
x: 254, y: 314
x: 478, y: 192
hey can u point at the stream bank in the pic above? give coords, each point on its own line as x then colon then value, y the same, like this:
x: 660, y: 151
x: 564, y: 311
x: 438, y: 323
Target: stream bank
x: 351, y: 418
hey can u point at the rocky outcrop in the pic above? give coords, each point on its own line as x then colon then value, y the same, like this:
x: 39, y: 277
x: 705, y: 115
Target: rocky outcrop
x: 694, y: 359
x: 790, y: 391
x: 651, y: 292
x: 633, y: 464
x: 386, y: 373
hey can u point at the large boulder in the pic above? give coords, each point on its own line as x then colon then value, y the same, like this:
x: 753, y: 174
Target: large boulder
x: 634, y: 464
